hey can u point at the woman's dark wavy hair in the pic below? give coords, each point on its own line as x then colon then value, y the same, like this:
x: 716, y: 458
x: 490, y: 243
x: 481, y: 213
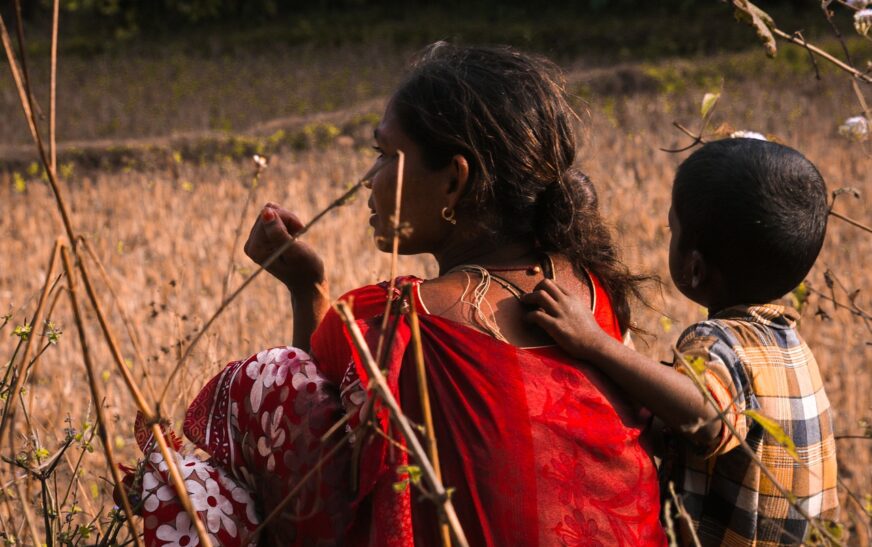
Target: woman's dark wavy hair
x: 506, y: 113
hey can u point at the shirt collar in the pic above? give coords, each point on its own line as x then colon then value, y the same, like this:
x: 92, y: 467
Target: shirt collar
x: 771, y: 315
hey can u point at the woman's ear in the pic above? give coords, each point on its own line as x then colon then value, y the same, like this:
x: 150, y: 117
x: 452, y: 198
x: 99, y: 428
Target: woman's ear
x: 459, y: 179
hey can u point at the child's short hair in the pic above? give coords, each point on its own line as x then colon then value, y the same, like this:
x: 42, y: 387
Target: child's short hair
x: 754, y: 209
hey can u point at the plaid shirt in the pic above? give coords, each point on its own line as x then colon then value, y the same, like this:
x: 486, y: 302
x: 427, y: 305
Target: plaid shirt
x: 756, y: 360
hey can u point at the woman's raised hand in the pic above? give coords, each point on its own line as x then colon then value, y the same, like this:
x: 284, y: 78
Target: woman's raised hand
x: 299, y: 267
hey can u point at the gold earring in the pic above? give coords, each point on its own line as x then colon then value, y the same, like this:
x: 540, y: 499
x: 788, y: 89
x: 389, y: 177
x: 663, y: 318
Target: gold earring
x: 448, y: 215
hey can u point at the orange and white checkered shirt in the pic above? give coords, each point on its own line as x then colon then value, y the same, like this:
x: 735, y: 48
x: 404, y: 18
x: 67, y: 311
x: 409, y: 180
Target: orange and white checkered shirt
x: 755, y: 359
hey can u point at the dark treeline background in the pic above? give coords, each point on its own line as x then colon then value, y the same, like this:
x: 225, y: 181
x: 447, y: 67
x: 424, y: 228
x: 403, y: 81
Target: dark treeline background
x: 562, y: 28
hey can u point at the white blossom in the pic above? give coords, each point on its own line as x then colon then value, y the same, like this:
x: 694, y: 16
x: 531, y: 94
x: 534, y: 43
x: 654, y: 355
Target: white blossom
x: 748, y: 135
x: 863, y: 21
x: 260, y: 161
x: 855, y: 128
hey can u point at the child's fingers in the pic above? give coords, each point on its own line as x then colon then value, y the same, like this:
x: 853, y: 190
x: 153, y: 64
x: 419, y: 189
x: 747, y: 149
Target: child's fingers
x: 553, y: 289
x: 541, y: 318
x: 541, y: 299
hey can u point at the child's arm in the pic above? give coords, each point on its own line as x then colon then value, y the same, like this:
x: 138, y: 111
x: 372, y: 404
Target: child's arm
x: 669, y: 394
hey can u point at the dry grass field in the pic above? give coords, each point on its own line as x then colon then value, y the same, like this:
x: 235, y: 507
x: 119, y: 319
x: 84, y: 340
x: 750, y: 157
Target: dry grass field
x: 164, y: 233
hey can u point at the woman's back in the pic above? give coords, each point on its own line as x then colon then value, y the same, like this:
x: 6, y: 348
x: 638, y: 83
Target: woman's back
x: 539, y: 449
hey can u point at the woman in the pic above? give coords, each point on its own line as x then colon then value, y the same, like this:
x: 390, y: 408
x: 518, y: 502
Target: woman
x: 538, y: 449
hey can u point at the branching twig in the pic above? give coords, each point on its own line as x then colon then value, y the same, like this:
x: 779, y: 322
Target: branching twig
x: 231, y: 265
x: 785, y: 493
x: 230, y: 298
x: 303, y: 480
x: 9, y: 414
x: 97, y: 397
x: 395, y: 248
x: 424, y: 396
x: 379, y: 386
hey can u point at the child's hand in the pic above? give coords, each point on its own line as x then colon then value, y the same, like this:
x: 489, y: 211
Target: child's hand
x: 566, y: 318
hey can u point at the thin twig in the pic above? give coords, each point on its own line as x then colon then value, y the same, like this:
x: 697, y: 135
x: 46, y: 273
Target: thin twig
x: 52, y: 107
x: 128, y: 322
x: 395, y: 250
x: 788, y: 496
x: 379, y: 386
x: 231, y: 266
x: 96, y: 394
x: 29, y: 517
x: 266, y: 263
x: 822, y: 54
x: 682, y: 512
x: 811, y: 57
x: 424, y: 396
x: 129, y: 381
x: 179, y: 484
x: 9, y: 414
x: 851, y: 221
x: 34, y: 129
x: 303, y: 480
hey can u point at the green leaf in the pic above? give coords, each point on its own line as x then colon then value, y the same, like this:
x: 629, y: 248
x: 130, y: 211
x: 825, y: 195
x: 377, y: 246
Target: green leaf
x: 774, y: 428
x: 709, y: 100
x: 696, y: 363
x: 401, y: 486
x: 799, y: 295
x: 413, y: 471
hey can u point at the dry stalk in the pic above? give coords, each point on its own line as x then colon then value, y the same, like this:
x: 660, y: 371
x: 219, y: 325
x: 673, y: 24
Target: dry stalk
x: 9, y: 414
x: 791, y: 499
x: 179, y: 484
x: 424, y: 394
x: 231, y: 266
x: 272, y: 258
x: 29, y: 517
x: 851, y: 221
x: 305, y: 478
x: 379, y: 386
x: 823, y: 55
x: 129, y: 381
x: 24, y: 97
x: 145, y: 408
x: 682, y: 512
x: 395, y: 251
x: 52, y: 107
x: 16, y: 76
x: 128, y: 322
x: 97, y: 396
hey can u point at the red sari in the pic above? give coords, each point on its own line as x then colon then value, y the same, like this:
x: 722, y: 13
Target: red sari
x: 540, y: 449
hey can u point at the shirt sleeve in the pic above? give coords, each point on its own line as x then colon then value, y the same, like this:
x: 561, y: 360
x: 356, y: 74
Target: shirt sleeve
x: 725, y: 378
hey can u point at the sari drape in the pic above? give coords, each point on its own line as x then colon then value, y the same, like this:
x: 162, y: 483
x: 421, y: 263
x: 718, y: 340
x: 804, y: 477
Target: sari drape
x: 538, y: 448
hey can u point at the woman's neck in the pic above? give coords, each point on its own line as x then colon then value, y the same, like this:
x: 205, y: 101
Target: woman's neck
x: 484, y: 251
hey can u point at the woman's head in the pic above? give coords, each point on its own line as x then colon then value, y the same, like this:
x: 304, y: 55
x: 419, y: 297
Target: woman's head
x: 505, y: 113
x: 494, y: 138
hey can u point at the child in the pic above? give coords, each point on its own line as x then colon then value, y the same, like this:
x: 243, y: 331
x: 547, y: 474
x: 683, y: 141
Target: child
x: 747, y: 219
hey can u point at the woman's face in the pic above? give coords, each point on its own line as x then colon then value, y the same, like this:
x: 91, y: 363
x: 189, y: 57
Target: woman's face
x: 424, y: 192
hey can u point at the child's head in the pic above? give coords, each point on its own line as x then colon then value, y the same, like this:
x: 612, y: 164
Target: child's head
x: 748, y: 220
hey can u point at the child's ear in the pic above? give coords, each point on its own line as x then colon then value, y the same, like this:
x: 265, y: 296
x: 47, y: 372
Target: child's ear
x: 698, y: 269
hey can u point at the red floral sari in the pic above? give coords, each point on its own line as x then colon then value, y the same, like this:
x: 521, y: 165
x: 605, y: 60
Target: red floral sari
x: 540, y: 449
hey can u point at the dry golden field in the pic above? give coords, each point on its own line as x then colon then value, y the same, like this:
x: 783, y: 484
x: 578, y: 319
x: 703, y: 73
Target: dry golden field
x: 164, y: 233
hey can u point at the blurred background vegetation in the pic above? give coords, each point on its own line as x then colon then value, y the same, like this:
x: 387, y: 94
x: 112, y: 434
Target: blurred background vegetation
x: 612, y: 29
